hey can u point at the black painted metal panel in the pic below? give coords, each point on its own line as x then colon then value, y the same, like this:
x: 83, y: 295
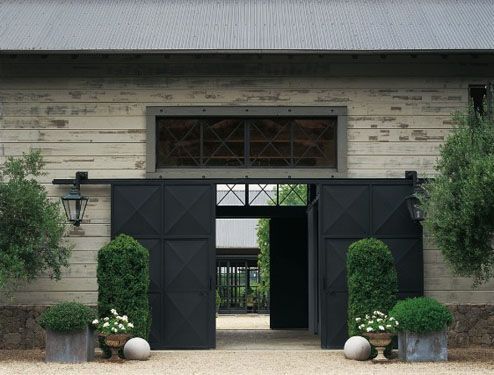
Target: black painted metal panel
x: 189, y: 265
x: 288, y: 271
x: 351, y: 210
x: 175, y: 221
x: 312, y: 244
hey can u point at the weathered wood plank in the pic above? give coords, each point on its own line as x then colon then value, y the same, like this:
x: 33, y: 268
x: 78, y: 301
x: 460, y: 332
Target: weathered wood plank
x: 88, y: 243
x: 89, y: 162
x: 250, y: 81
x: 398, y: 135
x: 49, y: 298
x: 139, y: 135
x: 411, y: 149
x: 79, y: 123
x: 462, y: 297
x: 98, y: 109
x: 90, y: 230
x: 455, y: 284
x: 206, y: 89
x: 75, y: 284
x: 73, y: 149
x: 418, y: 121
x: 74, y: 136
x: 385, y: 162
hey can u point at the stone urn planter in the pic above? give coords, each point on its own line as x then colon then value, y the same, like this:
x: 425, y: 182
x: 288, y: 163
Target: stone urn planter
x: 70, y: 347
x: 380, y: 341
x: 423, y: 347
x: 116, y: 342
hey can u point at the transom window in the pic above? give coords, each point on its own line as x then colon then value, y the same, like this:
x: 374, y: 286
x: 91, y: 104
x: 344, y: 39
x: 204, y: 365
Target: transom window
x: 277, y: 142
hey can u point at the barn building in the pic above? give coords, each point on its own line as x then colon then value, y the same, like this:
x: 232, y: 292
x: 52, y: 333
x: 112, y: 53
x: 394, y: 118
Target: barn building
x: 163, y: 101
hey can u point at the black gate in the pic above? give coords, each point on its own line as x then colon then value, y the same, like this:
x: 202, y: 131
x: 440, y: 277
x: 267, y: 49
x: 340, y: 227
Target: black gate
x: 175, y: 221
x: 353, y: 209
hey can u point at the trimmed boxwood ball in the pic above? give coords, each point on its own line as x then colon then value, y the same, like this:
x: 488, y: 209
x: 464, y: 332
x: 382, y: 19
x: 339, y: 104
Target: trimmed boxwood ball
x: 372, y: 280
x: 421, y: 315
x: 123, y: 282
x: 67, y: 317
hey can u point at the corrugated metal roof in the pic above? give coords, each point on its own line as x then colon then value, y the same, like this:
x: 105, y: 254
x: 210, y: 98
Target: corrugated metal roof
x: 236, y: 233
x: 246, y: 25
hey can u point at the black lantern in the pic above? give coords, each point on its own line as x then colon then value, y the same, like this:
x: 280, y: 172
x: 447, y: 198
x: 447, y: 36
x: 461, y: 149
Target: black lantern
x: 414, y: 205
x: 74, y: 203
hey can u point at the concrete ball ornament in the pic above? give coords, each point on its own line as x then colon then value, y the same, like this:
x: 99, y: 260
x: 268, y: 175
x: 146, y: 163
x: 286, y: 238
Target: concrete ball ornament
x: 137, y: 349
x: 357, y: 348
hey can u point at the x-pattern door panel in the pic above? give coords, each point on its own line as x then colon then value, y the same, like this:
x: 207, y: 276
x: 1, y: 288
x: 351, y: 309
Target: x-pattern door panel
x: 352, y: 210
x: 189, y: 265
x: 175, y: 222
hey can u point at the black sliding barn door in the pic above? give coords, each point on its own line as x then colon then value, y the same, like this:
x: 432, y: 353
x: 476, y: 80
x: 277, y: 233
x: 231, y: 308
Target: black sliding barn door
x: 288, y: 273
x: 175, y: 221
x: 353, y: 209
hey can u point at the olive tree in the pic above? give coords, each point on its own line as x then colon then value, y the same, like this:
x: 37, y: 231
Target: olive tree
x: 31, y: 226
x: 460, y: 206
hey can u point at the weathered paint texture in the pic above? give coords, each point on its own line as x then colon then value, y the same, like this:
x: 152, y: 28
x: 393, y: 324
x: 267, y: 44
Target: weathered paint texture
x: 70, y: 347
x: 423, y: 347
x: 88, y: 113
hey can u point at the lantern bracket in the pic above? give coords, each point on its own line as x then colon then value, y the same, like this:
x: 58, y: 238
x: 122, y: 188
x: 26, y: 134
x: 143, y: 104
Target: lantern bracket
x: 80, y: 176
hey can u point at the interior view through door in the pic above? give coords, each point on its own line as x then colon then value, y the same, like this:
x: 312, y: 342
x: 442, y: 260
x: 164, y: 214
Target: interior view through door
x: 262, y: 267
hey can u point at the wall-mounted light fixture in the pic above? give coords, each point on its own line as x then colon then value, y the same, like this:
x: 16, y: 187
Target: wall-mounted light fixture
x: 413, y: 201
x: 74, y: 203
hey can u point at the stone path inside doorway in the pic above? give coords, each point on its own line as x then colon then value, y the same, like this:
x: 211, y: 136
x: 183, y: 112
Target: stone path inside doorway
x: 251, y: 332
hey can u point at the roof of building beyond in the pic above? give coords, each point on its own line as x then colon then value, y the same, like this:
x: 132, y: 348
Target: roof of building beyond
x: 338, y: 26
x: 236, y: 233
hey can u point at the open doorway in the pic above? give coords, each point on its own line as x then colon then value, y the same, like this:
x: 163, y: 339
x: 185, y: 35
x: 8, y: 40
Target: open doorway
x: 262, y: 267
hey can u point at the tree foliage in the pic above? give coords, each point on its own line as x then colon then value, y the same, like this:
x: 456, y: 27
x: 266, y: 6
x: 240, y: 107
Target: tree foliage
x: 31, y: 226
x: 372, y: 280
x: 289, y: 195
x: 67, y: 317
x: 123, y: 282
x: 421, y: 315
x: 460, y: 203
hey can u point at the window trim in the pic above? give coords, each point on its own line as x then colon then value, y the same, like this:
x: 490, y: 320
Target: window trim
x: 152, y: 112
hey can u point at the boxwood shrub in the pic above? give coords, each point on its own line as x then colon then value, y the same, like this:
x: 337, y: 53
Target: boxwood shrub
x: 123, y: 282
x: 372, y: 280
x: 421, y: 315
x: 67, y: 317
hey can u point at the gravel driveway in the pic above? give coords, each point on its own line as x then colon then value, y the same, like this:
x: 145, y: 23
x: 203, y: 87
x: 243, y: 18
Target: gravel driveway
x: 305, y: 362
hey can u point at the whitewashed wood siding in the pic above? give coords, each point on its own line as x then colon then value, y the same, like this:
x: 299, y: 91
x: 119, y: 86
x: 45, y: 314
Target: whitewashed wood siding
x: 87, y: 113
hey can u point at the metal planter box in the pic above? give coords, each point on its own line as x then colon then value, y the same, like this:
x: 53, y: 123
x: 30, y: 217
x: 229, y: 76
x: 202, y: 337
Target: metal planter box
x: 73, y: 347
x: 423, y: 347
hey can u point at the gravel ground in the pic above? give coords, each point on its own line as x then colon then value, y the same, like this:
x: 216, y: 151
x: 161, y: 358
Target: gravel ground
x: 243, y: 321
x: 462, y: 361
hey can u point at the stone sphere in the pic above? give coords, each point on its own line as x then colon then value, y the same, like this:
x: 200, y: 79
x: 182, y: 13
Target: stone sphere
x: 357, y: 348
x: 137, y: 349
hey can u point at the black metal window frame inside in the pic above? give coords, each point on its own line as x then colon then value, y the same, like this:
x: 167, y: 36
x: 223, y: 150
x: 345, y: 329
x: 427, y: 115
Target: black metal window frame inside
x: 249, y: 158
x: 243, y: 196
x: 154, y: 113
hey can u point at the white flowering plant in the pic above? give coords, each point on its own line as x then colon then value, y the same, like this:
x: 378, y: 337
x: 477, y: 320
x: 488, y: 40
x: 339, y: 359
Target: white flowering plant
x: 377, y: 322
x: 113, y: 324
